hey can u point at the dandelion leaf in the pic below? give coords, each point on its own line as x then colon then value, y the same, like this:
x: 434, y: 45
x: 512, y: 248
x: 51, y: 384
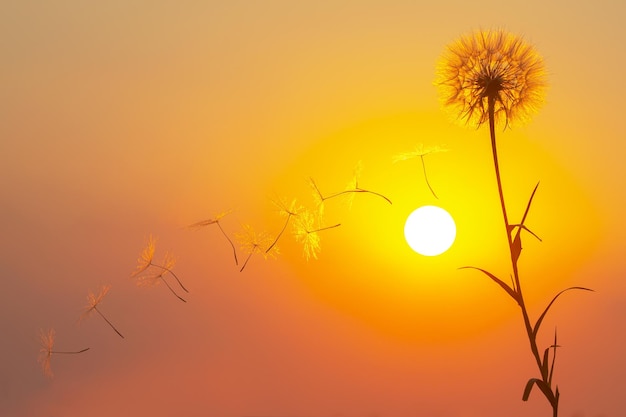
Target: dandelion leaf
x: 497, y: 280
x: 543, y: 315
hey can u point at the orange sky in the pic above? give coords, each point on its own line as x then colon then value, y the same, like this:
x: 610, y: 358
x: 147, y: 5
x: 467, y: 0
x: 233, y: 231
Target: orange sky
x: 133, y: 118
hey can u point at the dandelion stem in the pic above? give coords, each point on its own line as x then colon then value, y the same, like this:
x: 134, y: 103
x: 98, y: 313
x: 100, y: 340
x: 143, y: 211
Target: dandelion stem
x: 246, y: 262
x: 426, y: 177
x: 324, y: 228
x: 110, y: 324
x: 280, y: 234
x: 229, y: 241
x: 518, y: 288
x: 171, y: 289
x: 69, y: 353
x: 173, y: 274
x: 356, y: 190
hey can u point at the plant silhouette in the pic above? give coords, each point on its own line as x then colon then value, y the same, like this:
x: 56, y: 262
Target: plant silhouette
x: 145, y: 274
x: 92, y: 305
x: 491, y: 77
x: 46, y: 350
x: 421, y: 152
x: 216, y: 220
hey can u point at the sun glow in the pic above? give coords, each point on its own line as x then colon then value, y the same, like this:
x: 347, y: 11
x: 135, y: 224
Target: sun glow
x: 430, y: 230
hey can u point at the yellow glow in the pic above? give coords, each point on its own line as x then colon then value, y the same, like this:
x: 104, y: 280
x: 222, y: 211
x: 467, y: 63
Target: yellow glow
x: 430, y: 230
x: 365, y: 267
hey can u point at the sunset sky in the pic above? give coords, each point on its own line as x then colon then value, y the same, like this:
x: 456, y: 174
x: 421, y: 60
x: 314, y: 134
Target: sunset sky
x: 125, y: 119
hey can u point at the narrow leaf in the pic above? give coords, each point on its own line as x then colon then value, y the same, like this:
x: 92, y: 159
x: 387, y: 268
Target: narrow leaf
x: 544, y: 364
x: 540, y: 319
x: 497, y: 280
x: 529, y: 203
x: 528, y: 388
x: 547, y: 391
x: 554, y: 346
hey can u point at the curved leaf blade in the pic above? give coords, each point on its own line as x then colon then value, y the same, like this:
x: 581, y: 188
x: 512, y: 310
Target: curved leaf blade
x: 543, y: 315
x: 497, y: 280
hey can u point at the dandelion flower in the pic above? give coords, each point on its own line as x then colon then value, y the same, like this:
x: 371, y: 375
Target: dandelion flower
x: 216, y: 220
x: 252, y: 242
x: 92, y: 305
x: 491, y: 71
x: 46, y: 340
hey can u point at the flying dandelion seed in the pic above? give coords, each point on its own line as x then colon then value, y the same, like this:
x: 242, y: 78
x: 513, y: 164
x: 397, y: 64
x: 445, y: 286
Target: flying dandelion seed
x: 252, y: 242
x: 151, y: 278
x: 353, y: 184
x: 318, y: 198
x: 216, y: 220
x: 306, y: 233
x: 421, y: 152
x: 491, y: 70
x: 285, y: 211
x: 146, y: 260
x: 352, y: 189
x: 92, y: 305
x: 46, y: 341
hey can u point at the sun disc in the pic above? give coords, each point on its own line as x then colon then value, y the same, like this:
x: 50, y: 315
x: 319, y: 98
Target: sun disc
x: 430, y: 230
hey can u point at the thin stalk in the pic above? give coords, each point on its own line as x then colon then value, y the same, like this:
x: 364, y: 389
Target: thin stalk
x: 69, y: 353
x: 110, y: 324
x: 426, y: 177
x: 172, y: 290
x: 280, y: 234
x: 229, y: 241
x: 246, y: 262
x: 324, y: 228
x: 356, y: 190
x: 173, y: 274
x: 518, y: 288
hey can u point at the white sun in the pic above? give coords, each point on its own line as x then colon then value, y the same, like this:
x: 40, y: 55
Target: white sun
x: 430, y: 230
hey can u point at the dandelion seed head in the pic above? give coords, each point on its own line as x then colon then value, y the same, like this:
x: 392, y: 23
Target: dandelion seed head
x: 318, y: 199
x: 491, y: 65
x: 252, y: 242
x: 149, y: 280
x: 304, y: 233
x: 354, y: 183
x: 93, y: 300
x: 287, y: 209
x: 419, y: 151
x: 146, y: 257
x: 169, y: 261
x: 46, y: 340
x: 215, y: 219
